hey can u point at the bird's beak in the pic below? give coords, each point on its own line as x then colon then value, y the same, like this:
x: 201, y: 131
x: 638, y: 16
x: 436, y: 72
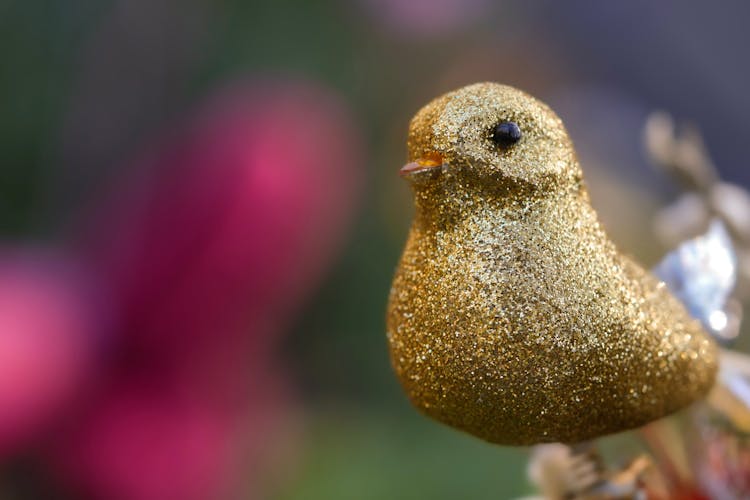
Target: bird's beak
x: 428, y: 162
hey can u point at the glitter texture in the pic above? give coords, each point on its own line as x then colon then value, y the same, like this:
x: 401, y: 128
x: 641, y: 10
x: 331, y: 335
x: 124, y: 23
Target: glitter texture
x: 512, y: 316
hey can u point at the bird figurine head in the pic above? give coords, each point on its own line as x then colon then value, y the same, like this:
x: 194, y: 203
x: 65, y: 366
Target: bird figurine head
x: 494, y: 133
x: 512, y: 316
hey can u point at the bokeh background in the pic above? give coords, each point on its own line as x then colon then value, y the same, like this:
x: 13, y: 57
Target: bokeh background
x: 200, y: 214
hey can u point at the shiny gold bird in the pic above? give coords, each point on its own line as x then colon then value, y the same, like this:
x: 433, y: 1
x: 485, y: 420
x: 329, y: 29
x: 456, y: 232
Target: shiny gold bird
x: 512, y: 316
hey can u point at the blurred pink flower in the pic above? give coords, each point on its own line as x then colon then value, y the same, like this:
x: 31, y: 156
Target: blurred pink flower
x: 423, y: 18
x: 237, y: 216
x: 210, y: 246
x: 48, y: 331
x: 150, y: 443
x: 150, y: 446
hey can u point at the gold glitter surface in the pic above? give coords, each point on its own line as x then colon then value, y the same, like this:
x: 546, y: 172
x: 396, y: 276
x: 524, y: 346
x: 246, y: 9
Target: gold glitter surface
x: 512, y: 316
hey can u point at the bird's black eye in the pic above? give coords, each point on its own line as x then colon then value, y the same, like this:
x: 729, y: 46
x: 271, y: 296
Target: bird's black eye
x: 506, y: 134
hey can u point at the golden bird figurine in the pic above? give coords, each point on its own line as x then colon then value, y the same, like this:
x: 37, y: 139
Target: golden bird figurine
x: 512, y: 316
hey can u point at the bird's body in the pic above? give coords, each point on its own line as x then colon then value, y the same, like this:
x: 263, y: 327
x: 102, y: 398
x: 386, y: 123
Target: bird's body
x: 512, y: 316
